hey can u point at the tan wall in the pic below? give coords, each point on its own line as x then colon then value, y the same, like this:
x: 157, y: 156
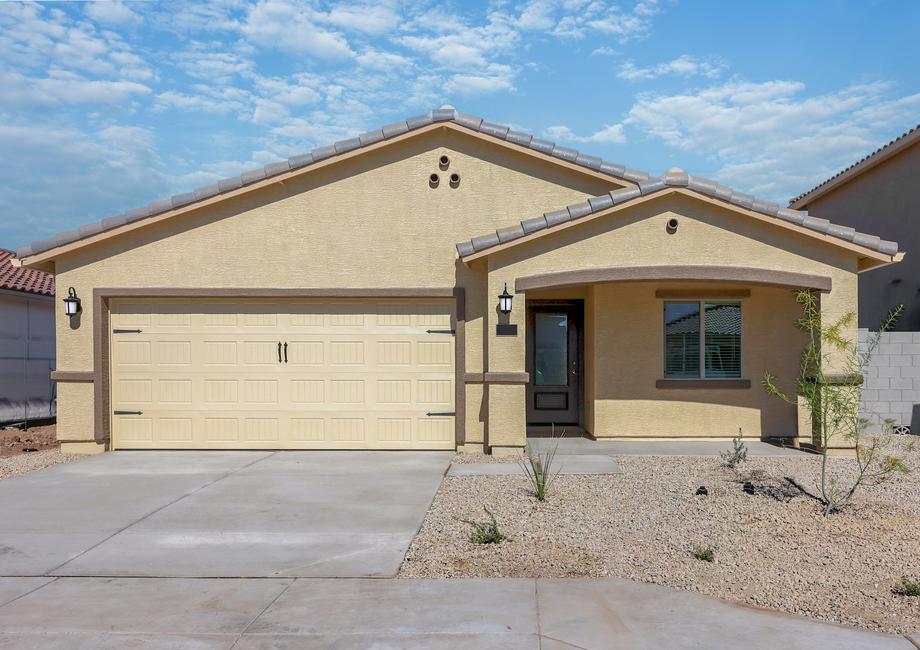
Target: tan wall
x: 370, y: 222
x: 707, y: 235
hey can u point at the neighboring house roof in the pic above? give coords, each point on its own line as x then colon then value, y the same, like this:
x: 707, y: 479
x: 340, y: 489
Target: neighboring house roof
x: 876, y: 157
x: 23, y: 279
x: 674, y: 178
x: 443, y: 115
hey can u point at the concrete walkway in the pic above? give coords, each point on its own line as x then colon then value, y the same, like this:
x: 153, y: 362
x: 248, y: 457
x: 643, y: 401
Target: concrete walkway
x: 248, y: 614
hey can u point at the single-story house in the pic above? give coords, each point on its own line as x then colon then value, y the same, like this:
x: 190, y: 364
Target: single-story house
x: 440, y: 283
x: 26, y: 343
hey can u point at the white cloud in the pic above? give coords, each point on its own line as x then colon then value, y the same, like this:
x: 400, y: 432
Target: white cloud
x: 609, y: 134
x: 683, y: 66
x: 112, y: 12
x: 17, y: 90
x: 771, y: 138
x: 378, y: 60
x: 371, y: 18
x: 294, y: 28
x: 604, y: 51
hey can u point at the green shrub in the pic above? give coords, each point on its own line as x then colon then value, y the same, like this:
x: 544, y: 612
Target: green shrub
x: 706, y: 554
x: 539, y: 467
x: 907, y: 587
x: 738, y: 453
x: 485, y: 532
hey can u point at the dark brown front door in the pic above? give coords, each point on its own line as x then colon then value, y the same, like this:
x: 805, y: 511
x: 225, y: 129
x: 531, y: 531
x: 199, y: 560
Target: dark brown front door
x: 554, y: 363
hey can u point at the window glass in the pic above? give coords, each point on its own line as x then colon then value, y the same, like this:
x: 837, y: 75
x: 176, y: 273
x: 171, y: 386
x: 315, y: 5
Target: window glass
x: 551, y: 347
x: 682, y: 339
x: 723, y: 340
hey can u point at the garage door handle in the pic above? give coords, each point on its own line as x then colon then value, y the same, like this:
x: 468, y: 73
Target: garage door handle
x: 128, y: 412
x: 285, y: 351
x: 440, y: 331
x: 443, y: 413
x: 279, y: 351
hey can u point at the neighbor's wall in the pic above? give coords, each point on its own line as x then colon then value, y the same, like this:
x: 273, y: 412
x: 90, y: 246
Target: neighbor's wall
x: 884, y: 201
x: 707, y: 235
x: 371, y: 222
x: 26, y: 357
x: 892, y: 378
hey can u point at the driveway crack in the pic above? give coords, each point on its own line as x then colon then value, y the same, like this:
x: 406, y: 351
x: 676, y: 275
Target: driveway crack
x: 264, y: 609
x: 51, y: 572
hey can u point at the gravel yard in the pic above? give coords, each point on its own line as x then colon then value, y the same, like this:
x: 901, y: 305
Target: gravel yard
x: 772, y: 549
x: 11, y: 466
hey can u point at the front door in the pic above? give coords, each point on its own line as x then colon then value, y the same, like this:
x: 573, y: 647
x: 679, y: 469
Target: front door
x: 554, y: 363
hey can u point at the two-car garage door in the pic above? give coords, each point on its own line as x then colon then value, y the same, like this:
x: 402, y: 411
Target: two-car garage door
x: 257, y: 374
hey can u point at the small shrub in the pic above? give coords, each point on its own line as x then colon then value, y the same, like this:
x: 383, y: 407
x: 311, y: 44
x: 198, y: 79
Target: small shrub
x: 539, y: 467
x: 485, y: 532
x: 738, y: 453
x: 907, y: 587
x: 706, y: 554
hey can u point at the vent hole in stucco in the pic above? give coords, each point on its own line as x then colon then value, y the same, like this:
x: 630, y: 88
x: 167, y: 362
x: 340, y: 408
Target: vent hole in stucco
x: 433, y: 180
x: 454, y: 179
x: 443, y: 162
x: 671, y: 226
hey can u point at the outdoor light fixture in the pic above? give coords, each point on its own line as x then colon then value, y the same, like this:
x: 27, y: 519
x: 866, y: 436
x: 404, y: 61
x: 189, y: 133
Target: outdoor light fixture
x: 71, y: 303
x: 504, y: 301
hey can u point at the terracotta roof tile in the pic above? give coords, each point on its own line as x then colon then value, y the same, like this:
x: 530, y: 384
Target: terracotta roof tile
x: 23, y: 279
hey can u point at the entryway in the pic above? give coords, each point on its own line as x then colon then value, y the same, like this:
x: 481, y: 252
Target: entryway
x: 555, y: 362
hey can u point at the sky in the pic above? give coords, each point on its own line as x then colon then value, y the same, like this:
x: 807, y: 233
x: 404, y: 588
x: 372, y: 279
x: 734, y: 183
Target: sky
x: 107, y: 106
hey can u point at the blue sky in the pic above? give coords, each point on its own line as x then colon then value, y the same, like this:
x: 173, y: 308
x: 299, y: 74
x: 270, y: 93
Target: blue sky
x: 106, y: 106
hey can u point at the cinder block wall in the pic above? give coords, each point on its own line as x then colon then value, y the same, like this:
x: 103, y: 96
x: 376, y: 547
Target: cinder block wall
x: 892, y: 378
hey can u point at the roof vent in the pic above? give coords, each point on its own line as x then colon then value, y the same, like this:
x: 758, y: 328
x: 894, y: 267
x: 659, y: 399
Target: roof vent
x: 433, y: 180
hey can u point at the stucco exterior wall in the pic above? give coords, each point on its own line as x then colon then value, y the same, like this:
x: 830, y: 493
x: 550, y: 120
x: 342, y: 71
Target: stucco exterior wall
x: 626, y: 342
x: 884, y: 200
x: 371, y: 222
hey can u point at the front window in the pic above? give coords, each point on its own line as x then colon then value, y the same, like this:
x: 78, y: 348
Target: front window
x: 702, y: 340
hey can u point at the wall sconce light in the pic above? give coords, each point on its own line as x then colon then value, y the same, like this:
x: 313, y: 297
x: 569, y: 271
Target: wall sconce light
x: 504, y: 301
x: 71, y: 303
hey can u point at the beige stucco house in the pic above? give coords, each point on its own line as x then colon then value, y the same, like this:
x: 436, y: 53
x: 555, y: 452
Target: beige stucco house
x: 324, y: 302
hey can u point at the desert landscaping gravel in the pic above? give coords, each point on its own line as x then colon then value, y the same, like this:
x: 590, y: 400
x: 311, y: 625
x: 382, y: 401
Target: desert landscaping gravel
x: 773, y: 549
x: 11, y: 466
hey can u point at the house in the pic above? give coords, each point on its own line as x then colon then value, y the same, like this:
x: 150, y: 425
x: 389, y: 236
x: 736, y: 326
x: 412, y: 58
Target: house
x: 443, y: 282
x: 26, y: 343
x: 881, y: 193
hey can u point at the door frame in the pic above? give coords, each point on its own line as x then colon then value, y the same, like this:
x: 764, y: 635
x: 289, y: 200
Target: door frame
x: 102, y: 371
x: 577, y: 305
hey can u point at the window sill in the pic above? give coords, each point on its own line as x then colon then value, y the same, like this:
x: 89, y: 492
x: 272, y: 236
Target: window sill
x: 729, y: 384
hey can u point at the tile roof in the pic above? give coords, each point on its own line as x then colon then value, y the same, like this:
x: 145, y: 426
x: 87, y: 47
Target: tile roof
x: 443, y: 114
x: 674, y: 177
x: 882, y: 153
x: 22, y: 278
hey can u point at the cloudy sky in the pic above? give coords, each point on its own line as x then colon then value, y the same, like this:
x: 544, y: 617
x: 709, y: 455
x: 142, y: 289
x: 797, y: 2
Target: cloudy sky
x: 106, y: 106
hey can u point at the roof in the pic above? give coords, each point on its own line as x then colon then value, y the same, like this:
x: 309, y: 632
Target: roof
x: 23, y: 279
x: 444, y: 114
x: 673, y: 178
x: 876, y: 157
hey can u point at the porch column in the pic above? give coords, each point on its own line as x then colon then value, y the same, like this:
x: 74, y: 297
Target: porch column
x: 504, y: 377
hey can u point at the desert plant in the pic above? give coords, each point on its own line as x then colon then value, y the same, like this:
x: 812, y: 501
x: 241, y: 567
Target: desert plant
x: 539, y: 466
x: 485, y: 532
x: 737, y: 454
x: 704, y: 553
x: 907, y: 587
x: 834, y: 402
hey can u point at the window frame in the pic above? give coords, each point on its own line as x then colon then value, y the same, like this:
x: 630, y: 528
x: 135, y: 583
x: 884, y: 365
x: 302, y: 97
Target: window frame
x: 701, y: 305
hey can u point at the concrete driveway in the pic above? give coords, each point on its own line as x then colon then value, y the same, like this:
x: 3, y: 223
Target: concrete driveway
x: 218, y: 514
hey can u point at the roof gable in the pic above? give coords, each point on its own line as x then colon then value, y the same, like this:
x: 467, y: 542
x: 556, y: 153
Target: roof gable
x: 875, y: 250
x: 875, y: 158
x: 47, y: 249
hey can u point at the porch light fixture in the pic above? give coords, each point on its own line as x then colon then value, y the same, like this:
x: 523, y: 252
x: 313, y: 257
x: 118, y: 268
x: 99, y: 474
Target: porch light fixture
x: 71, y: 303
x: 504, y: 301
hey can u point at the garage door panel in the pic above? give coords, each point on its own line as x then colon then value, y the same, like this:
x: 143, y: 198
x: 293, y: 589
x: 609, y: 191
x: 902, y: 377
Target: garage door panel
x: 358, y: 375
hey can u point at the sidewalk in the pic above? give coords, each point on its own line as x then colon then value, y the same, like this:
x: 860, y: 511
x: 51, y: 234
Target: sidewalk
x: 267, y: 613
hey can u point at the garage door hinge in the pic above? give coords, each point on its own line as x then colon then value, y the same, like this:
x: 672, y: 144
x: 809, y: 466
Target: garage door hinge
x: 440, y: 331
x: 442, y: 413
x: 126, y: 331
x: 128, y: 412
